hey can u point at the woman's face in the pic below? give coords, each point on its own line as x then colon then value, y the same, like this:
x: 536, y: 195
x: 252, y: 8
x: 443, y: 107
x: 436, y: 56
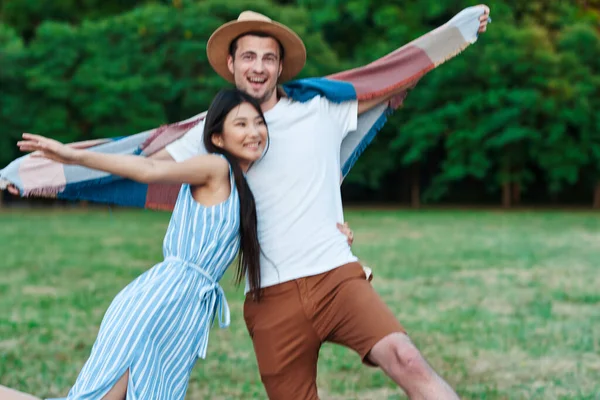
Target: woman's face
x: 244, y: 134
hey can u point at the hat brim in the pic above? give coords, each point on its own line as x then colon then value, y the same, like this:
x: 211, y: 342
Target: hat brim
x: 217, y: 48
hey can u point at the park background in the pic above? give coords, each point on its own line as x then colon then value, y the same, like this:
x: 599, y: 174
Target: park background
x: 505, y: 304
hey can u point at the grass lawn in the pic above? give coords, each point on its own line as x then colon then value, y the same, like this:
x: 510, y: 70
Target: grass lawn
x: 503, y: 305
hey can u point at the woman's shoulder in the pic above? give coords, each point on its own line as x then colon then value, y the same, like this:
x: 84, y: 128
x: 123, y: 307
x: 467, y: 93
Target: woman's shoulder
x: 216, y: 164
x: 221, y: 164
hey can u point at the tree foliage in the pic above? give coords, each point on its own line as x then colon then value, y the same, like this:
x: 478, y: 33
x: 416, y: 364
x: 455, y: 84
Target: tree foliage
x: 514, y: 114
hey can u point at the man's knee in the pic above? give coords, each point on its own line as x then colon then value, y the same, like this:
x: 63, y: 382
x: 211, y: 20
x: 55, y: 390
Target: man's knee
x: 396, y: 352
x: 409, y: 359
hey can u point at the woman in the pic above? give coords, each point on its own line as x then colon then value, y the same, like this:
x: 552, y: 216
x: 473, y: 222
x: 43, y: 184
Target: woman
x: 156, y: 328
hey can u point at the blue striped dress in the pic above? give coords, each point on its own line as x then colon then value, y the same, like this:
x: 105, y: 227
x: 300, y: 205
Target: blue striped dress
x: 158, y: 325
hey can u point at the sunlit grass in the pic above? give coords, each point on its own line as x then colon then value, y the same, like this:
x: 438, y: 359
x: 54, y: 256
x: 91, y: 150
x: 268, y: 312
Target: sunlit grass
x: 503, y: 305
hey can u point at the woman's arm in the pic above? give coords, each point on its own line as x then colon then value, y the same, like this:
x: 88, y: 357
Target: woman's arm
x: 196, y: 171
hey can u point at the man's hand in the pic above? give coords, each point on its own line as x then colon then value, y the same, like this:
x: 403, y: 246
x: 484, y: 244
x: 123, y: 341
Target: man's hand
x: 484, y: 19
x: 345, y: 229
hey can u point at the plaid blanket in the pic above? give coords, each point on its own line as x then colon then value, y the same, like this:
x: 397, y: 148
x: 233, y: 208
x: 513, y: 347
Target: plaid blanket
x: 397, y: 73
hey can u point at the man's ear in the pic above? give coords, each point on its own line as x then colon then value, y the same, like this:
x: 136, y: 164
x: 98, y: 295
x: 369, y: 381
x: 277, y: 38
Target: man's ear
x: 230, y: 64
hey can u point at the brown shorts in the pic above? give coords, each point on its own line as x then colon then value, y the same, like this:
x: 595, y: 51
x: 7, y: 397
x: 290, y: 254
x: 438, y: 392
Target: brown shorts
x: 294, y: 318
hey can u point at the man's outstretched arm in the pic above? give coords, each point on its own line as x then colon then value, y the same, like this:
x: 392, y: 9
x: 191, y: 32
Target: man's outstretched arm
x: 366, y: 105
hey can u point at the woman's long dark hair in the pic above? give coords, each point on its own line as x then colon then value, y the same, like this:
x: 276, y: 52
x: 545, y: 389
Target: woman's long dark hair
x: 249, y: 258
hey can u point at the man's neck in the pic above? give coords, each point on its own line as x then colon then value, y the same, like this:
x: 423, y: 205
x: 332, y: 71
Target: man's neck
x: 273, y: 100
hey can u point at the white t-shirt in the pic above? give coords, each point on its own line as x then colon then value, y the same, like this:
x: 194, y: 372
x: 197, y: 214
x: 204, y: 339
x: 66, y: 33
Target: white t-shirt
x: 296, y: 186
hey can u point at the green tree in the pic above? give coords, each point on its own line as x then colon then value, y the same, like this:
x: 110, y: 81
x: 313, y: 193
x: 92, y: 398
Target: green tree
x: 26, y: 15
x: 517, y: 110
x: 135, y: 71
x: 503, y: 113
x: 12, y: 82
x: 580, y: 47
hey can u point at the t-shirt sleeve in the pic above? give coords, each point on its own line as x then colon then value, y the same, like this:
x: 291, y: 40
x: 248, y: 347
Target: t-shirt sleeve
x: 189, y: 145
x: 345, y: 114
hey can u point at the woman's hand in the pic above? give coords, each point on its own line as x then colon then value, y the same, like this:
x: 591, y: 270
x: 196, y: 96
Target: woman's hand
x: 48, y: 148
x: 345, y: 229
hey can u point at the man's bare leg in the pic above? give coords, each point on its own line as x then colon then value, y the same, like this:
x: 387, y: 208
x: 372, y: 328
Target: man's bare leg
x: 398, y: 357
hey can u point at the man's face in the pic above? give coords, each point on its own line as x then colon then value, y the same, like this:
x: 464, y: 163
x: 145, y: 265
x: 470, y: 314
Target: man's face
x: 256, y: 66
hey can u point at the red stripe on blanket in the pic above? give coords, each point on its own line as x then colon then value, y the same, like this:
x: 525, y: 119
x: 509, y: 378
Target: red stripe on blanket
x: 400, y: 69
x: 167, y: 134
x: 162, y: 196
x: 86, y: 144
x: 42, y: 177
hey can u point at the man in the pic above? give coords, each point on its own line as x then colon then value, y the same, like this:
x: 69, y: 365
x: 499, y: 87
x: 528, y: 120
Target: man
x: 314, y: 290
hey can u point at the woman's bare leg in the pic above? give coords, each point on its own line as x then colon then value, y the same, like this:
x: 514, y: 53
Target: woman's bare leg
x: 11, y: 394
x: 119, y: 391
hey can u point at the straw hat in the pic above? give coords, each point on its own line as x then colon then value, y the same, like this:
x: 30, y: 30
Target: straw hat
x: 217, y: 47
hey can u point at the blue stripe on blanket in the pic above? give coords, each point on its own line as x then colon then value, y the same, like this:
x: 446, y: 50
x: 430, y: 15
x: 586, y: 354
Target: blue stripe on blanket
x: 108, y: 190
x: 364, y: 142
x: 303, y: 90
